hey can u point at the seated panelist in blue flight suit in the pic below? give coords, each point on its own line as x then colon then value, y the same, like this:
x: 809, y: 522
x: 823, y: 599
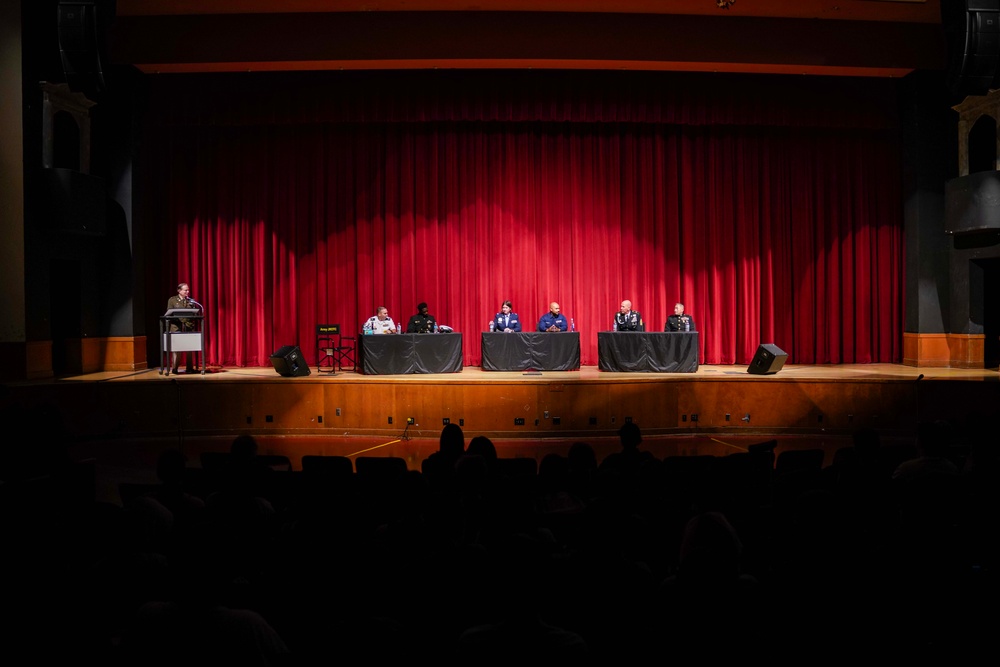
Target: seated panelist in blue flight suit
x: 553, y: 320
x: 506, y: 321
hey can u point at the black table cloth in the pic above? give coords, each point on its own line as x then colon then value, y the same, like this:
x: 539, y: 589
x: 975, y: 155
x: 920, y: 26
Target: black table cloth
x: 400, y: 354
x: 543, y: 351
x: 648, y: 352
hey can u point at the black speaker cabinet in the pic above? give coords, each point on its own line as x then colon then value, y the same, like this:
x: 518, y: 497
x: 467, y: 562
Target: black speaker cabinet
x: 72, y: 202
x: 972, y: 30
x: 768, y: 360
x: 288, y: 362
x: 972, y: 203
x: 79, y: 46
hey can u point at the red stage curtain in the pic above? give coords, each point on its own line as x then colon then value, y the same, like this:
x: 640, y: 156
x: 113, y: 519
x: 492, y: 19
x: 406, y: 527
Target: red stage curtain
x: 770, y: 227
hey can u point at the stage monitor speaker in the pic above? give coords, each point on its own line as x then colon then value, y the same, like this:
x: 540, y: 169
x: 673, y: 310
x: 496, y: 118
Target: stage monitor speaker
x: 79, y: 46
x: 288, y: 362
x: 768, y: 360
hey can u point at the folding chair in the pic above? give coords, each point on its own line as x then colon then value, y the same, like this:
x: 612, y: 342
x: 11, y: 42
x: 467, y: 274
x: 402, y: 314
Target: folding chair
x: 333, y: 350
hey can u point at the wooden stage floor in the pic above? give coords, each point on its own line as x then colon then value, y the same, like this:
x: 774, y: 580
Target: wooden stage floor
x: 790, y: 372
x: 123, y: 420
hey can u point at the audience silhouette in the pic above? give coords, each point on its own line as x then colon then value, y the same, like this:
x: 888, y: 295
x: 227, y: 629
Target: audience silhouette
x: 690, y: 558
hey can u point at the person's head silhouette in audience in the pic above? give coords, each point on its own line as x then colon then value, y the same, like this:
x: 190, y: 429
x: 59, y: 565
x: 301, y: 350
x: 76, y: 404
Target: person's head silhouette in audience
x: 452, y: 442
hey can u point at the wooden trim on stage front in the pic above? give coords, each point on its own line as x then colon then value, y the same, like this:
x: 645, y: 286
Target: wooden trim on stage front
x: 943, y: 350
x: 33, y: 360
x: 112, y: 353
x: 26, y: 361
x: 717, y: 400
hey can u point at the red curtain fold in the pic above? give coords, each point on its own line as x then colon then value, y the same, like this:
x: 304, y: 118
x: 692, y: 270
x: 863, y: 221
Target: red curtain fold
x: 769, y: 233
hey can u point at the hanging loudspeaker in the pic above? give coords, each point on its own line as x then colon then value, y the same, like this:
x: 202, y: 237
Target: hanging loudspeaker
x: 79, y: 47
x: 972, y: 29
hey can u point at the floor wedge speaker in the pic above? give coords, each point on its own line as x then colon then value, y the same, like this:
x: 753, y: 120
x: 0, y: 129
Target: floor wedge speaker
x: 288, y: 361
x: 768, y: 360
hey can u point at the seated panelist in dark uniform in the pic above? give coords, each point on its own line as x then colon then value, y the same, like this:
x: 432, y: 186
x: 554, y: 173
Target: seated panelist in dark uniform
x: 627, y: 319
x: 422, y: 322
x: 553, y: 320
x: 679, y: 321
x: 506, y: 321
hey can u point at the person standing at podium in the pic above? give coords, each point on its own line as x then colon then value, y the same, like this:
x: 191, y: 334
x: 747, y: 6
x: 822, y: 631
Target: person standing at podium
x: 627, y: 319
x: 506, y: 321
x: 182, y: 300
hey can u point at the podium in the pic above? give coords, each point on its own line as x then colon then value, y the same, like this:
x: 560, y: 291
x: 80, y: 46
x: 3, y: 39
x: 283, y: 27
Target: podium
x: 181, y: 341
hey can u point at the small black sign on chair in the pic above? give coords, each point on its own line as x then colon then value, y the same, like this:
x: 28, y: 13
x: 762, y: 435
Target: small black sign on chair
x: 768, y: 360
x: 288, y: 361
